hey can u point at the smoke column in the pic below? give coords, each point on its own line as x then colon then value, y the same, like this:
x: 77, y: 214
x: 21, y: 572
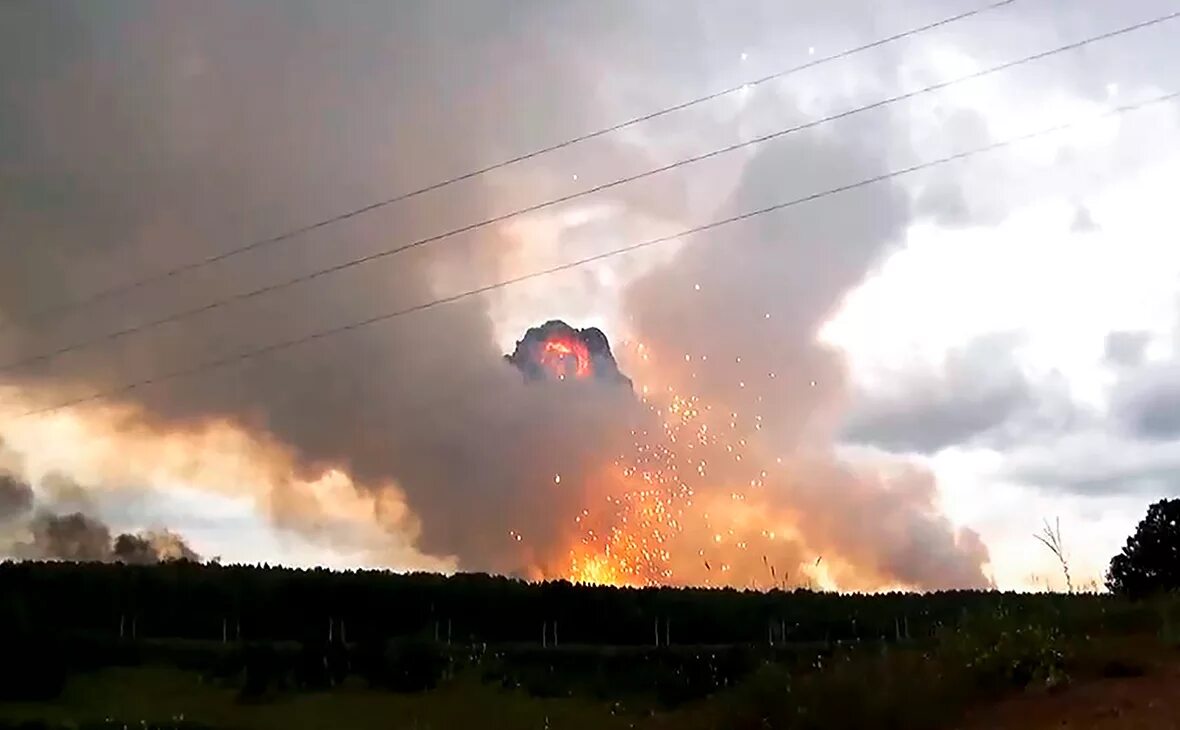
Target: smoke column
x: 418, y: 429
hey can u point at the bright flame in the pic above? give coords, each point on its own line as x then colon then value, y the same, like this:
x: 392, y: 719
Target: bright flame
x: 566, y: 356
x: 690, y: 504
x: 596, y: 570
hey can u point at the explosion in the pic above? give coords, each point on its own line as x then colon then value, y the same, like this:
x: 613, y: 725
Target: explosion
x: 656, y: 530
x: 702, y: 497
x: 642, y: 523
x: 556, y: 351
x: 559, y: 355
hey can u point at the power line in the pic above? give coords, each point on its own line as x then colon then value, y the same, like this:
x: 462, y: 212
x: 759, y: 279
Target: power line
x: 368, y: 258
x: 295, y: 232
x: 315, y: 336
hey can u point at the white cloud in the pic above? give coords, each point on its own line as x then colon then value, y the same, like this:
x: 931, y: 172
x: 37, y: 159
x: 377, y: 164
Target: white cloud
x: 1064, y: 289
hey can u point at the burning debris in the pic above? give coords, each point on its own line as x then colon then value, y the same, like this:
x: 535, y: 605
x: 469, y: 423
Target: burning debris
x: 557, y: 351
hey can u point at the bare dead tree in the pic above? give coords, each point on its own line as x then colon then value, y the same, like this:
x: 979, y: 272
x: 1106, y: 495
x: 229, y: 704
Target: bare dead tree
x: 1050, y: 537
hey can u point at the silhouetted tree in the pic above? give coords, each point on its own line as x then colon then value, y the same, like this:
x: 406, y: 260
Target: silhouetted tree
x: 1150, y: 561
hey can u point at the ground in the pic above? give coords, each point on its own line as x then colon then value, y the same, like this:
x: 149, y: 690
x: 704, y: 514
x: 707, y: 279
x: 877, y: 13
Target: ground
x: 1149, y: 702
x: 1123, y: 684
x: 156, y: 694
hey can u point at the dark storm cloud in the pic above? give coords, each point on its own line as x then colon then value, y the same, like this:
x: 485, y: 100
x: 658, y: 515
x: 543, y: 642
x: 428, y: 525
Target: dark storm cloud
x: 1133, y: 447
x: 1147, y: 479
x: 1096, y: 461
x: 1147, y: 402
x: 978, y: 389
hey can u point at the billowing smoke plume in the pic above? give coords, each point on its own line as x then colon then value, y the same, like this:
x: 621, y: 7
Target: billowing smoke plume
x: 66, y: 537
x: 33, y: 528
x: 16, y: 498
x: 80, y: 538
x: 449, y: 447
x: 152, y: 547
x: 736, y: 317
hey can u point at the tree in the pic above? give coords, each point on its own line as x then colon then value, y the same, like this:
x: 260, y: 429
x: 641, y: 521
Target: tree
x: 1150, y: 561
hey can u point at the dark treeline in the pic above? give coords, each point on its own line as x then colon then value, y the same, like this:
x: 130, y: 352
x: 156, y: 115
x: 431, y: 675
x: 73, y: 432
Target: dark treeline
x: 212, y: 602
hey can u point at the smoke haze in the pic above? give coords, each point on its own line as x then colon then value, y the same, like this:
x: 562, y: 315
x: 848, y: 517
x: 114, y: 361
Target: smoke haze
x: 143, y: 141
x: 42, y: 527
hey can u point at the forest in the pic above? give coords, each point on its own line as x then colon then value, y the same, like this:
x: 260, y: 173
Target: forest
x: 188, y: 600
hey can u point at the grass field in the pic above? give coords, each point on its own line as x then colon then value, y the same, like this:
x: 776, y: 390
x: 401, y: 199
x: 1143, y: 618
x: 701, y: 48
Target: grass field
x: 156, y: 694
x: 891, y: 689
x: 1011, y: 650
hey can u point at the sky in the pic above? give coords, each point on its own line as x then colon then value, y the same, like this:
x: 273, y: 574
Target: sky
x: 928, y: 367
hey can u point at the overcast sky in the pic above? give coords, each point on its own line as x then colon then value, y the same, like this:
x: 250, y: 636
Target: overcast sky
x: 1006, y: 323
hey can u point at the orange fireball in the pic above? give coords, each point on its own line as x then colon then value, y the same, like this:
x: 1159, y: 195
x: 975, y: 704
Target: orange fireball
x: 566, y: 356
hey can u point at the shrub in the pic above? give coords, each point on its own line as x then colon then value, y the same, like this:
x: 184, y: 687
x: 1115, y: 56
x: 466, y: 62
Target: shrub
x: 408, y: 665
x: 1002, y: 650
x: 263, y: 672
x: 33, y: 669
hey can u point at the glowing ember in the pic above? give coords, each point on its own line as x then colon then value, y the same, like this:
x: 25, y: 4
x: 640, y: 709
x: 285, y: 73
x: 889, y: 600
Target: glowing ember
x: 689, y: 504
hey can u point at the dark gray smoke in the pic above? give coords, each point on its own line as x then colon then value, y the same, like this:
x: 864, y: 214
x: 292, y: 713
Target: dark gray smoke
x: 42, y: 527
x: 81, y: 538
x: 149, y: 548
x: 426, y: 401
x: 16, y: 498
x: 132, y: 142
x: 73, y: 537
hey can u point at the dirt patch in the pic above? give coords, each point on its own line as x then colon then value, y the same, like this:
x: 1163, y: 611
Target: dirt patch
x: 1149, y: 702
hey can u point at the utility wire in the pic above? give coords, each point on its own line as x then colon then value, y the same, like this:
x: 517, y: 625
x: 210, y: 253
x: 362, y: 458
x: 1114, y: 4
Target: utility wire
x: 250, y: 294
x: 315, y: 336
x: 294, y: 232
